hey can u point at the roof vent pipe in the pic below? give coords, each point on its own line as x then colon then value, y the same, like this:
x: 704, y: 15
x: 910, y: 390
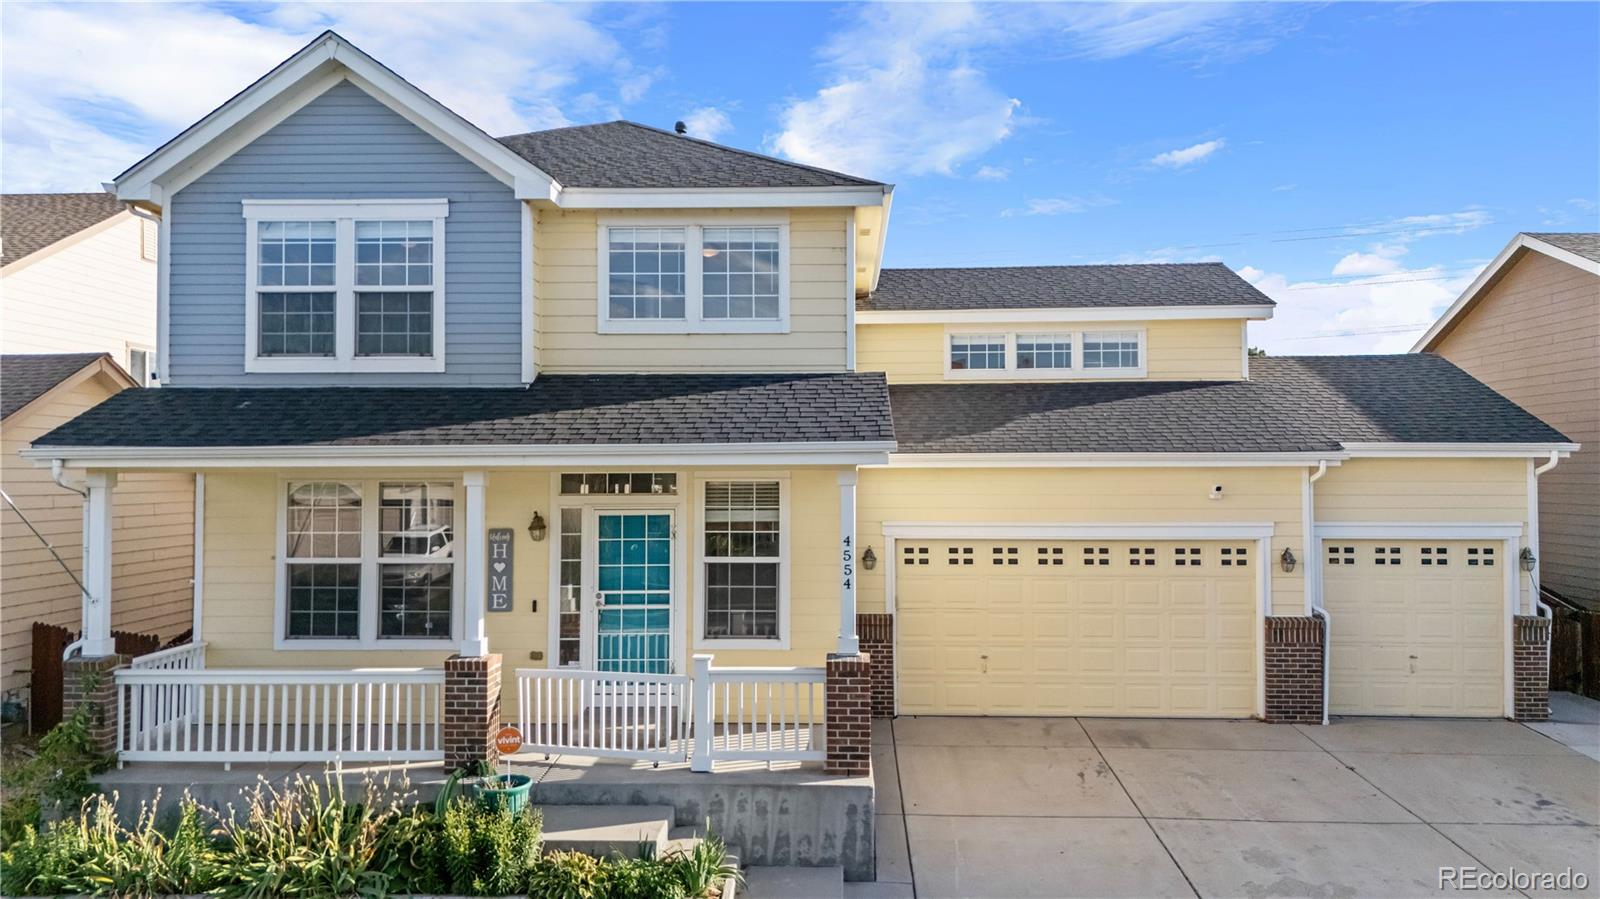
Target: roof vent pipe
x: 680, y: 127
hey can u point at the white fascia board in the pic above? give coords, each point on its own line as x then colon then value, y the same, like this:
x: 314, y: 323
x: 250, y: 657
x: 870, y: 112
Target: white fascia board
x: 1491, y: 273
x: 1206, y: 530
x: 282, y: 90
x: 1111, y: 460
x: 513, y: 456
x: 718, y: 198
x: 1058, y: 314
x: 1458, y: 450
x: 1417, y: 530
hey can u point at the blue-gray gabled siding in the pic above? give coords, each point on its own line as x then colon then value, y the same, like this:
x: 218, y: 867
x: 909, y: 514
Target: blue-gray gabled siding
x: 345, y: 145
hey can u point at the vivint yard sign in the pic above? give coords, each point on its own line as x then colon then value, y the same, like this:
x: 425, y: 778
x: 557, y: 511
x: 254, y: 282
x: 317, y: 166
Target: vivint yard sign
x: 500, y: 570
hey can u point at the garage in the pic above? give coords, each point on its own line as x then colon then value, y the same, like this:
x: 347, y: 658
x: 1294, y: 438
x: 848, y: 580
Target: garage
x: 1419, y: 626
x: 1077, y: 627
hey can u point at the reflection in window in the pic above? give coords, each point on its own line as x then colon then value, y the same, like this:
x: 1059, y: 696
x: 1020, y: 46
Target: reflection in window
x: 646, y: 268
x: 323, y: 548
x: 739, y: 273
x: 1111, y: 349
x: 977, y: 351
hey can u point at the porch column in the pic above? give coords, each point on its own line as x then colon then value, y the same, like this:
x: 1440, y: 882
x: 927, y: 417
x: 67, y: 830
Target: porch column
x: 98, y: 523
x: 474, y: 548
x: 849, y: 643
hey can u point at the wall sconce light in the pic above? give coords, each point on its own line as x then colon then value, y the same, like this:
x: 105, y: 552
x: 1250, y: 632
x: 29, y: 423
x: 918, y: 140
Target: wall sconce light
x: 869, y: 559
x: 1287, y: 560
x: 537, y: 528
x: 1528, y: 559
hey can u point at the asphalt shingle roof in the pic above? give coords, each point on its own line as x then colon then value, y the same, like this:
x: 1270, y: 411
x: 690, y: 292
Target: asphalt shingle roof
x: 1584, y: 243
x: 25, y: 378
x: 1290, y: 404
x: 31, y: 222
x: 629, y: 155
x: 1061, y: 286
x: 554, y: 410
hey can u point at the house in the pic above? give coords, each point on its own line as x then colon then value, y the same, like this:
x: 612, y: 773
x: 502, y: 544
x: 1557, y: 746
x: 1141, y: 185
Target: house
x: 153, y: 555
x: 78, y: 275
x: 593, y: 420
x: 1529, y: 326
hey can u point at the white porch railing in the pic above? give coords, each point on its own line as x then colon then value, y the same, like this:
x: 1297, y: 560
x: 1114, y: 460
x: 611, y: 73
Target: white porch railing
x: 603, y: 713
x: 239, y: 714
x: 187, y: 657
x: 731, y: 714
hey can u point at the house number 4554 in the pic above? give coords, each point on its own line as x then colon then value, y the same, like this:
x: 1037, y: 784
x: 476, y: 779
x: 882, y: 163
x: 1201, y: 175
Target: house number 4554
x: 847, y: 560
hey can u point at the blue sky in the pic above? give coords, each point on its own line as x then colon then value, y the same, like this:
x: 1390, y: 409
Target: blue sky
x: 1359, y: 162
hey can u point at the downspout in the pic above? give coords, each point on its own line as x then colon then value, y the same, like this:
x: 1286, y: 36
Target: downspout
x: 1533, y: 574
x: 58, y: 473
x: 158, y: 370
x: 1314, y: 572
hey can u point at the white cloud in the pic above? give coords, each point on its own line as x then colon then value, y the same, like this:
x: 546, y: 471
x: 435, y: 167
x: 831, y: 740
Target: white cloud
x: 1371, y: 315
x: 906, y: 92
x: 1057, y: 206
x: 1187, y: 156
x: 708, y: 123
x: 90, y: 89
x: 991, y: 173
x: 1382, y: 260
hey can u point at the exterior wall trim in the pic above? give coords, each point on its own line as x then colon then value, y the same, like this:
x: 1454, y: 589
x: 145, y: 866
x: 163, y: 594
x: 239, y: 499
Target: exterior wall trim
x: 1385, y: 530
x: 1057, y: 314
x: 932, y: 530
x: 1109, y: 460
x: 1457, y: 450
x: 720, y: 198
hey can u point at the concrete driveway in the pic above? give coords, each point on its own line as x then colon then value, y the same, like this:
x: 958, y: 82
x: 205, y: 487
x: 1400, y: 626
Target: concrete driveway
x: 1103, y: 807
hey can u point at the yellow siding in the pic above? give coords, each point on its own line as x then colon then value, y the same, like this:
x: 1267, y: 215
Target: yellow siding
x: 1456, y: 491
x: 1175, y: 350
x: 1079, y: 496
x: 1535, y: 336
x: 565, y: 245
x: 241, y: 522
x: 152, y: 542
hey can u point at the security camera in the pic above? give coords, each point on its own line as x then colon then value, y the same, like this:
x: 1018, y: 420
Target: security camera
x: 1216, y: 492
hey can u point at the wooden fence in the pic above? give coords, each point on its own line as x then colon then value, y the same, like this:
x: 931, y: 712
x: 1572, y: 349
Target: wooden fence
x: 46, y: 683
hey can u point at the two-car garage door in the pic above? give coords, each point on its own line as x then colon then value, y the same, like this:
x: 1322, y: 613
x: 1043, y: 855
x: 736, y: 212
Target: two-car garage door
x: 1020, y: 627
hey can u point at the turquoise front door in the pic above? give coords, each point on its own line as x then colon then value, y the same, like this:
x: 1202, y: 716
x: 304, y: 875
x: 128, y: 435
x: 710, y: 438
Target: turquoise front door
x: 633, y: 630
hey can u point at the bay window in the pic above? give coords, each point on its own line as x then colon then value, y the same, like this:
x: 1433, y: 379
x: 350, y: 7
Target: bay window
x: 744, y: 544
x: 344, y: 285
x: 368, y: 564
x: 685, y: 277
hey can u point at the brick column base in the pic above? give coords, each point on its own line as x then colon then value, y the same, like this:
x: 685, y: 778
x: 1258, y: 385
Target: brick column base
x: 1530, y: 667
x: 848, y: 692
x: 89, y: 682
x: 1294, y: 669
x: 876, y: 631
x: 471, y: 709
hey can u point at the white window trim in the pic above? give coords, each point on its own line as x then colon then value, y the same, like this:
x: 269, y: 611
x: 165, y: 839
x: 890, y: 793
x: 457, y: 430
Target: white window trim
x: 1012, y: 373
x: 785, y: 560
x: 344, y: 214
x: 370, y: 600
x: 692, y: 321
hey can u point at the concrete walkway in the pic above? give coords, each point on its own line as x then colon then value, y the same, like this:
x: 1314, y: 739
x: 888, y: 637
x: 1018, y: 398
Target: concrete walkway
x: 1126, y: 807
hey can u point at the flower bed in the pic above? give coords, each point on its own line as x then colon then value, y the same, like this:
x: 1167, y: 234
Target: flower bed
x: 311, y: 840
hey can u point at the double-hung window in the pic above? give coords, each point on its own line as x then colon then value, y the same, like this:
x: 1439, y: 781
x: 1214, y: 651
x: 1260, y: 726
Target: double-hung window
x: 368, y: 564
x: 684, y: 277
x: 344, y: 285
x: 744, y: 544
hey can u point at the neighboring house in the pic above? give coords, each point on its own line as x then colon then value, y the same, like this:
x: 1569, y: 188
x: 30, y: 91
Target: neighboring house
x: 78, y: 274
x: 1529, y: 326
x: 154, y: 526
x: 606, y: 398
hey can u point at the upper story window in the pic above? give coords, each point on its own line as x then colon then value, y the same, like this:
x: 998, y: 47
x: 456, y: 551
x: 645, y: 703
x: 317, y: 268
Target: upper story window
x: 684, y: 277
x: 1046, y: 355
x: 344, y: 285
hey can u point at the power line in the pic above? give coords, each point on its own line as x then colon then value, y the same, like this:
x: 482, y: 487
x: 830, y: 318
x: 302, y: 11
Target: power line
x: 1359, y: 332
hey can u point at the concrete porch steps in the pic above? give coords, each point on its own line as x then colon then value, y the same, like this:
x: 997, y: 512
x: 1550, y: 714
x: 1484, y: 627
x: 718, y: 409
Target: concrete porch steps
x: 794, y: 883
x: 606, y: 830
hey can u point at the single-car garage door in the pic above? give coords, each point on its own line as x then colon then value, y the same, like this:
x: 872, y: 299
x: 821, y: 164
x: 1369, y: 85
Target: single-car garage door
x: 1016, y: 627
x: 1418, y: 626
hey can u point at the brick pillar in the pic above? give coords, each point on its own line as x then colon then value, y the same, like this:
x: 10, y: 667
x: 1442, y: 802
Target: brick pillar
x: 89, y: 682
x: 1530, y: 667
x: 1294, y: 669
x: 471, y: 709
x: 877, y: 641
x: 848, y: 692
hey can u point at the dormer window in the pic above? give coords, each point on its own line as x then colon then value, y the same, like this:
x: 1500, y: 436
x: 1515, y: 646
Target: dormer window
x: 684, y: 277
x: 1045, y: 355
x: 344, y: 285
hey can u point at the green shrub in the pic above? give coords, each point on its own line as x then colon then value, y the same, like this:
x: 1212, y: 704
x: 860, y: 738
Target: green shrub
x: 568, y: 875
x: 487, y: 851
x: 643, y: 878
x: 92, y: 853
x: 703, y: 870
x: 57, y: 779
